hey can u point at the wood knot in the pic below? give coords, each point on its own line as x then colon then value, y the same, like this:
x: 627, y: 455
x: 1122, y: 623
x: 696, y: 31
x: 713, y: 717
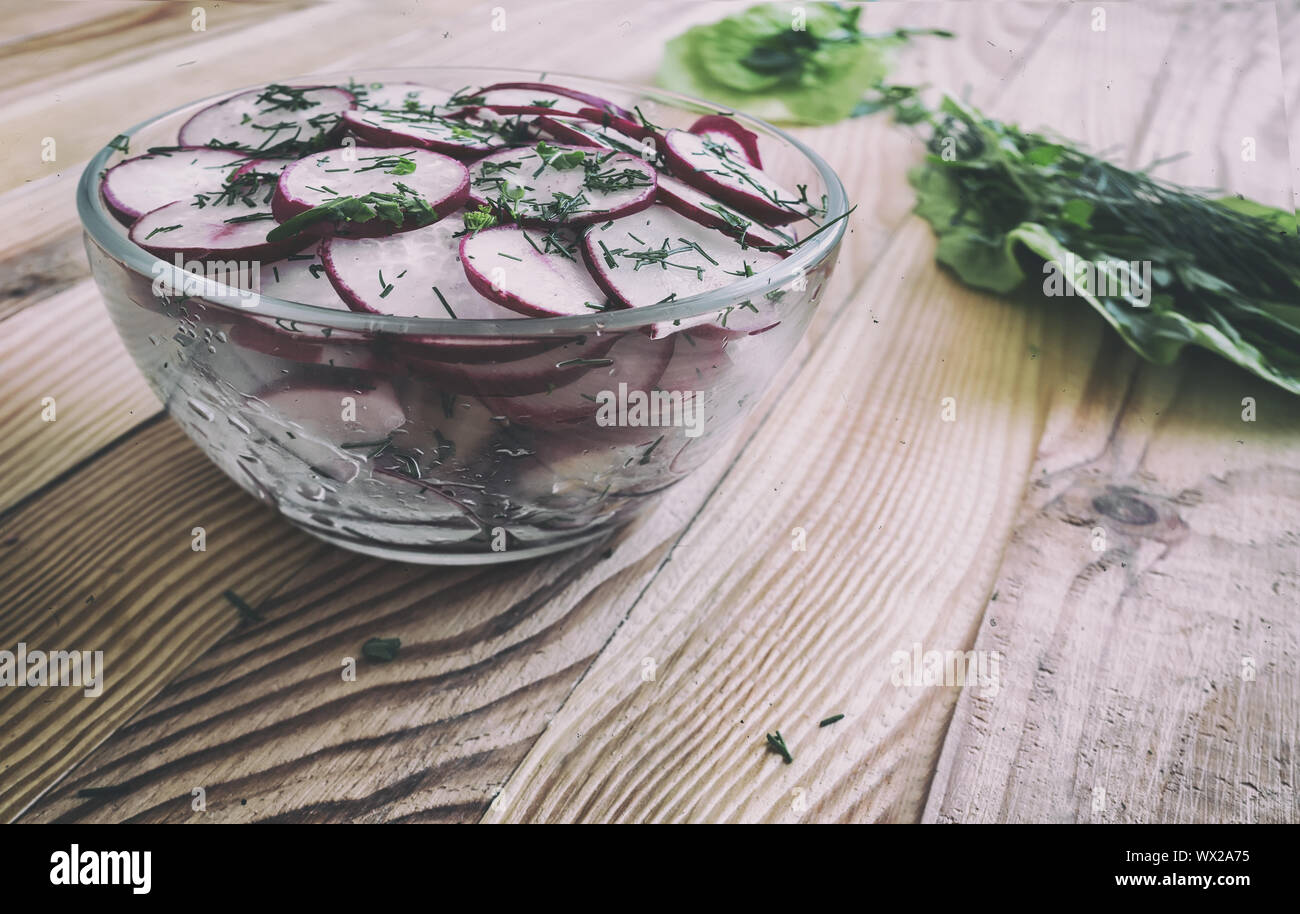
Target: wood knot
x: 1122, y: 505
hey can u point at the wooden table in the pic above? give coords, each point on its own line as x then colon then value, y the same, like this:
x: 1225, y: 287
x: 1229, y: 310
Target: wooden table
x: 1152, y: 678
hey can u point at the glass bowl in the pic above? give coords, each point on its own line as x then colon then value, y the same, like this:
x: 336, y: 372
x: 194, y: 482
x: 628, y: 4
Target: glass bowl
x: 457, y: 441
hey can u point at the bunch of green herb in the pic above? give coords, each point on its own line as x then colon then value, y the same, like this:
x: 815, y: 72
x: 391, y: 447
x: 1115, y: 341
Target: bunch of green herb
x: 792, y: 63
x: 1006, y: 204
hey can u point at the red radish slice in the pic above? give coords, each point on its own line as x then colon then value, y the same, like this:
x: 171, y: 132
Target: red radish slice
x: 411, y: 114
x: 439, y: 181
x: 742, y: 142
x: 530, y: 272
x: 585, y: 133
x: 421, y: 270
x: 422, y: 277
x: 660, y: 255
x: 301, y: 278
x: 136, y: 186
x: 622, y: 124
x: 272, y: 119
x: 222, y: 231
x: 513, y: 374
x: 634, y: 360
x: 709, y: 167
x: 700, y: 207
x: 524, y: 96
x: 316, y: 423
x: 460, y: 137
x: 551, y: 184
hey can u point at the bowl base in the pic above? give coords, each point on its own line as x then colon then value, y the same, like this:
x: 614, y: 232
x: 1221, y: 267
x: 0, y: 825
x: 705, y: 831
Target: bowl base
x: 427, y: 555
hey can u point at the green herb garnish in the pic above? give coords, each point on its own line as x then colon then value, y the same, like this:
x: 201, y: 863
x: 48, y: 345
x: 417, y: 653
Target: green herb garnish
x: 381, y: 650
x: 776, y: 743
x: 1166, y: 266
x: 246, y: 612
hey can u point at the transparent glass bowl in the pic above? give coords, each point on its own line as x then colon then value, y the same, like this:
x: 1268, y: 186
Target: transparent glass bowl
x: 492, y: 446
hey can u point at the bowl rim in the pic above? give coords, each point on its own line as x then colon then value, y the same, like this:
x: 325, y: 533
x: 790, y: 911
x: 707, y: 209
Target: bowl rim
x: 105, y: 231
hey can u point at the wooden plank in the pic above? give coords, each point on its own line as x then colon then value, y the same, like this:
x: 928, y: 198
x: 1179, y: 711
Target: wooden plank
x: 1155, y: 679
x: 1123, y: 693
x: 782, y: 643
x: 69, y: 351
x: 46, y: 256
x: 265, y: 717
x: 104, y: 562
x: 748, y: 635
x: 92, y: 47
x: 478, y: 778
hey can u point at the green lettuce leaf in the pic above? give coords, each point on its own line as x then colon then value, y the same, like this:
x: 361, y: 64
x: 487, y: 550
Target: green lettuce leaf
x: 756, y: 62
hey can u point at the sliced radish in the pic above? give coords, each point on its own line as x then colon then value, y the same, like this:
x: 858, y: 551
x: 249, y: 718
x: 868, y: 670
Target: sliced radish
x: 624, y: 125
x: 530, y: 271
x: 136, y: 186
x: 270, y: 120
x: 580, y: 132
x: 301, y: 278
x: 221, y: 230
x: 741, y: 142
x: 700, y: 207
x: 711, y: 168
x: 411, y: 114
x: 317, y: 424
x: 550, y: 184
x: 660, y: 255
x: 421, y: 275
x: 635, y: 361
x: 437, y: 183
x: 508, y: 374
x: 539, y: 98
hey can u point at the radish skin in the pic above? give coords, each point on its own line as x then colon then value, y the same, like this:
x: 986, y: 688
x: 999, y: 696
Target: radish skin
x: 700, y: 207
x: 203, y: 233
x: 402, y: 114
x: 701, y: 260
x: 708, y: 167
x: 634, y: 360
x: 509, y: 375
x: 144, y: 183
x: 519, y: 269
x: 439, y: 180
x: 262, y: 120
x: 722, y: 129
x: 521, y: 97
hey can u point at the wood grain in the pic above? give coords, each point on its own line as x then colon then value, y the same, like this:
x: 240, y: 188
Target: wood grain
x: 524, y: 683
x: 66, y: 350
x: 152, y: 608
x: 1148, y: 569
x: 477, y: 778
